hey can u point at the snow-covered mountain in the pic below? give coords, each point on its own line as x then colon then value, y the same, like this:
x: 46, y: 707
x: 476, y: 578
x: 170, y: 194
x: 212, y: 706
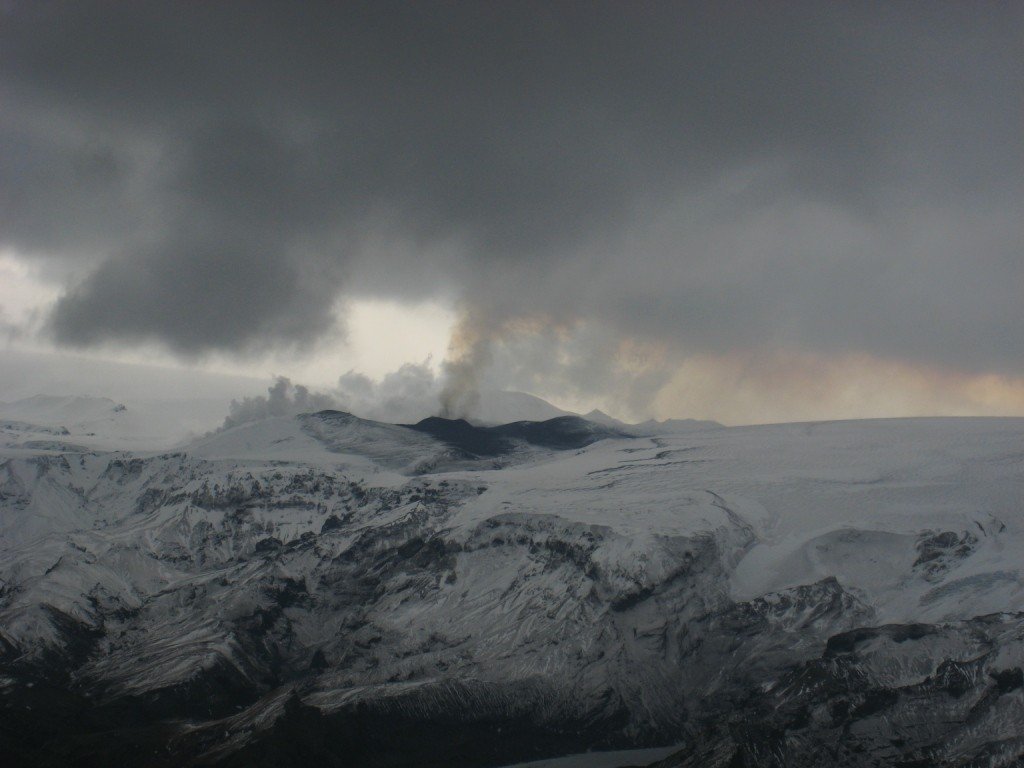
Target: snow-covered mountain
x: 323, y: 589
x: 104, y: 424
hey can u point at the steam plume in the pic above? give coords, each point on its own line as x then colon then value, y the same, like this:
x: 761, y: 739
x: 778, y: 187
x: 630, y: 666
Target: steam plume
x: 470, y: 351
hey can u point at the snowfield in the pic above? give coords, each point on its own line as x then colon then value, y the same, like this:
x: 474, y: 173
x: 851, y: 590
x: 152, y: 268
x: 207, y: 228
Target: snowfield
x: 326, y: 588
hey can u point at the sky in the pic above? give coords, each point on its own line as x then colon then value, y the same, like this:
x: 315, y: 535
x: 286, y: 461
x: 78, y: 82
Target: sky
x: 744, y: 211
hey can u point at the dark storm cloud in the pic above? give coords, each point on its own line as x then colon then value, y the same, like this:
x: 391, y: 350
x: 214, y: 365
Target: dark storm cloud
x: 206, y: 293
x: 841, y: 177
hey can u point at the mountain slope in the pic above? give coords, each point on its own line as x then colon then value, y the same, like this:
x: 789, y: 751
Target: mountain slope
x: 325, y: 588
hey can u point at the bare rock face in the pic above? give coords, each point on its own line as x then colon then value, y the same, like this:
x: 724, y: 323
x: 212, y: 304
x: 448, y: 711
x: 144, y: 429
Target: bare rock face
x: 326, y: 590
x: 903, y: 695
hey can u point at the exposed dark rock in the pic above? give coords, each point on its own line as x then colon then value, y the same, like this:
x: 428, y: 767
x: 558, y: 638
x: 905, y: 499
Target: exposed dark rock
x: 560, y: 433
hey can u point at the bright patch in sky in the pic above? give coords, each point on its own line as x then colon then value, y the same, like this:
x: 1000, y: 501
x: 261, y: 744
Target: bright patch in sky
x: 23, y: 294
x: 382, y: 336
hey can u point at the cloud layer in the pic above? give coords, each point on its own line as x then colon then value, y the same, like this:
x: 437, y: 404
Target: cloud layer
x: 694, y: 178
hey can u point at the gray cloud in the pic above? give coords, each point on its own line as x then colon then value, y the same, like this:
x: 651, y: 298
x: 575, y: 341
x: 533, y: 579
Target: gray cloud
x: 282, y: 399
x: 208, y: 292
x: 707, y: 176
x: 405, y: 395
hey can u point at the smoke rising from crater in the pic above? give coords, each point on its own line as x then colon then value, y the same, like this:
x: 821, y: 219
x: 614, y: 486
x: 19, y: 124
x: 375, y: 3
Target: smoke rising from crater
x: 469, y: 354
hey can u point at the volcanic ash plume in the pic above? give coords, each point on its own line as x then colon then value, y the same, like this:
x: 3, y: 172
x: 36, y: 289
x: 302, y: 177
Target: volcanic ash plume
x: 469, y: 353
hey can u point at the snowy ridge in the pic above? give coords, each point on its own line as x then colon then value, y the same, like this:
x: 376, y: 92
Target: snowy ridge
x: 380, y: 591
x: 99, y: 423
